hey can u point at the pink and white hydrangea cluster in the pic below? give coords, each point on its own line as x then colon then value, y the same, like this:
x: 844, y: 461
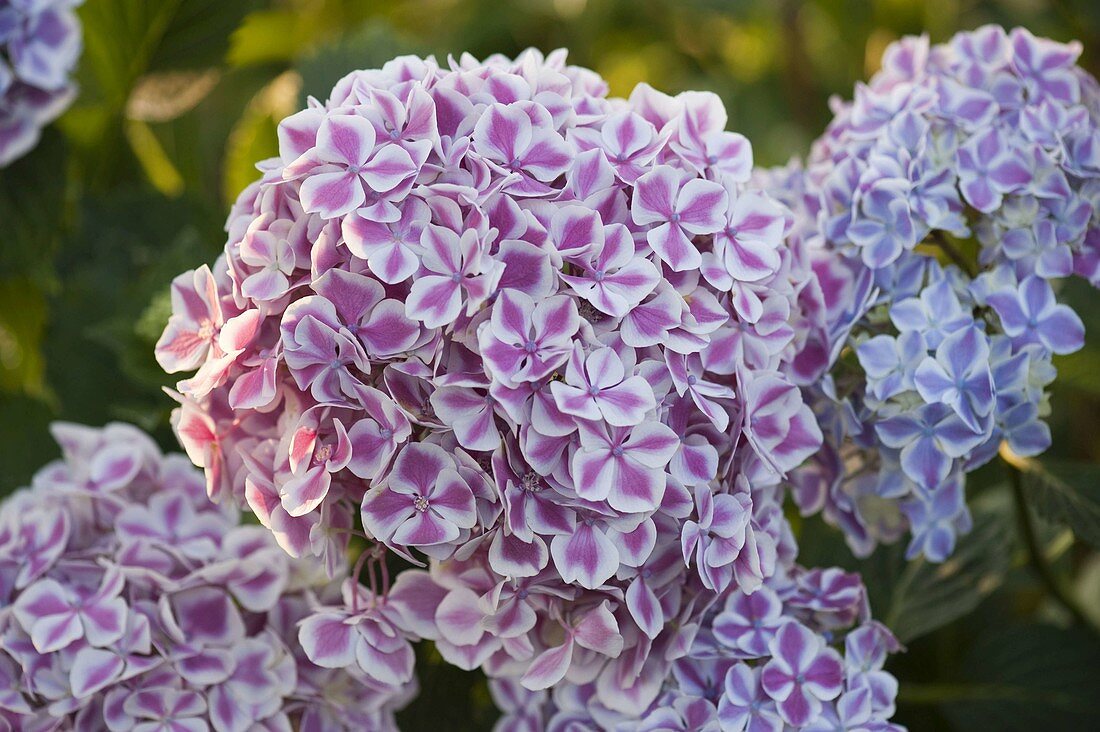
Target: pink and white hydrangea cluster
x: 545, y: 342
x: 985, y: 153
x: 39, y: 46
x: 129, y: 601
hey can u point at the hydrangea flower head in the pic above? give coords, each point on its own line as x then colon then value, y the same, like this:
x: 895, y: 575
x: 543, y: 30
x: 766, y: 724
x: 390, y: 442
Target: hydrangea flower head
x: 129, y: 601
x: 543, y: 343
x: 39, y: 46
x: 946, y: 200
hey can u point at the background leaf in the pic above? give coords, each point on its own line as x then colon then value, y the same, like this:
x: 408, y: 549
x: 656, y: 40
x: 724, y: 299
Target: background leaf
x: 1027, y: 677
x: 1066, y: 493
x: 916, y: 597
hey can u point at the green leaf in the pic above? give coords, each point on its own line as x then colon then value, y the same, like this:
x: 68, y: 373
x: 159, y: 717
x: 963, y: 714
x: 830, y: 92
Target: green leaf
x: 199, y: 32
x: 22, y: 322
x: 917, y: 597
x: 1065, y: 493
x: 33, y: 209
x: 25, y: 445
x: 252, y: 44
x: 255, y: 135
x: 118, y: 265
x: 124, y: 41
x: 1026, y: 678
x: 925, y: 596
x: 372, y: 45
x: 298, y: 25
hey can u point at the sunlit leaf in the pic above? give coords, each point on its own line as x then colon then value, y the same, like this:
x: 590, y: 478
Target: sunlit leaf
x: 22, y: 321
x: 299, y: 25
x: 254, y: 136
x: 149, y: 152
x: 163, y: 96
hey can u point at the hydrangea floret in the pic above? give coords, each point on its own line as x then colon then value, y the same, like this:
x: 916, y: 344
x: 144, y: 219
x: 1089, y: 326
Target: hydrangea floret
x: 941, y: 210
x: 129, y: 601
x: 40, y: 42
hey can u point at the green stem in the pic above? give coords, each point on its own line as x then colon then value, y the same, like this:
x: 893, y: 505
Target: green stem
x: 952, y: 252
x: 1036, y: 556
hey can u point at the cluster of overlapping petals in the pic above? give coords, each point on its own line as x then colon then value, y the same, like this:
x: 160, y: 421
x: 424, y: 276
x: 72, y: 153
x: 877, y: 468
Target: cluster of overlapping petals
x: 129, y: 601
x: 544, y: 341
x: 984, y: 151
x: 39, y: 46
x: 799, y: 652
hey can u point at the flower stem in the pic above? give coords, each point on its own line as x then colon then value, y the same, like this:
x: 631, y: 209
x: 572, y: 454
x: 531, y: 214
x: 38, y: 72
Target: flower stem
x: 952, y: 252
x: 1036, y: 556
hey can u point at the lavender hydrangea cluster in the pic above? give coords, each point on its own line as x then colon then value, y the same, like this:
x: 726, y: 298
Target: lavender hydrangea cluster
x: 128, y: 601
x: 39, y: 46
x: 982, y: 153
x: 546, y: 343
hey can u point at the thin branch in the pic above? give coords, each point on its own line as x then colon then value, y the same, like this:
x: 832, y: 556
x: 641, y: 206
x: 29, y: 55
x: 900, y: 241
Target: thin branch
x: 952, y: 252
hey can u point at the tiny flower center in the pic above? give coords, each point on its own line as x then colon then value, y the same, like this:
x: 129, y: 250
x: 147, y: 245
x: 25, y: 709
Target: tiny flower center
x: 531, y: 482
x: 386, y: 433
x: 530, y: 346
x: 674, y: 218
x: 692, y: 379
x: 206, y: 330
x: 590, y: 313
x: 420, y: 503
x: 617, y: 451
x: 324, y: 453
x: 456, y: 277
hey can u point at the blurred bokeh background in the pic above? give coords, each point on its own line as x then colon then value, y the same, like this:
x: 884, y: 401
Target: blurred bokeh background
x: 179, y: 99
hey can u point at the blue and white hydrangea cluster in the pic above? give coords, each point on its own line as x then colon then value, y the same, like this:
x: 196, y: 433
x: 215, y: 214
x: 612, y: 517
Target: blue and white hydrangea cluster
x: 40, y: 42
x: 982, y: 153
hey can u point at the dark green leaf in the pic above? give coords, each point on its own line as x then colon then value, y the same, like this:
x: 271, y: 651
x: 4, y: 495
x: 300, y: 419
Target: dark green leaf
x: 916, y: 597
x: 33, y: 208
x: 105, y: 321
x: 25, y: 444
x: 927, y: 596
x: 369, y: 47
x: 1066, y: 493
x: 1033, y: 677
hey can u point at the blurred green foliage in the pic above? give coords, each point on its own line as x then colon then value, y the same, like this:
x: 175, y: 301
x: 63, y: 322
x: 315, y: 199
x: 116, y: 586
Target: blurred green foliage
x: 180, y: 98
